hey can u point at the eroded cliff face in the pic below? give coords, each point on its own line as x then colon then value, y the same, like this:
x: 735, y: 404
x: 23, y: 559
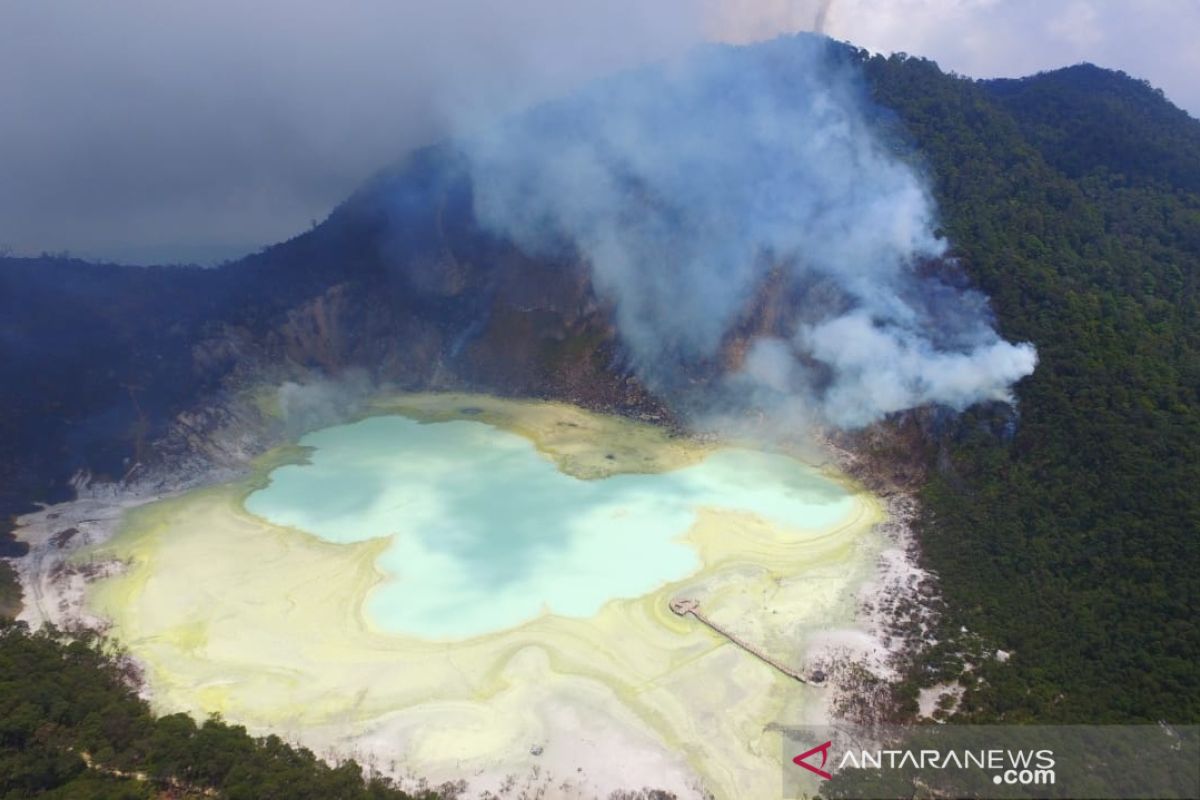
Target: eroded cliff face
x: 418, y: 296
x: 427, y: 300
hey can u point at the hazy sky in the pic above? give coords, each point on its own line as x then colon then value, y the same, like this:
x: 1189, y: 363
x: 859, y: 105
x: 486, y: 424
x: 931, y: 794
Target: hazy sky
x: 154, y: 130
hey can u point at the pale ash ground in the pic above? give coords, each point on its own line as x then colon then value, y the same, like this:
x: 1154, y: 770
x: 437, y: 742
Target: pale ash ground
x: 278, y: 629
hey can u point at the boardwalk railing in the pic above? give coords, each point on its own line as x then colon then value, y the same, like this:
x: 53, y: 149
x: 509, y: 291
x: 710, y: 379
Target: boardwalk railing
x: 684, y: 606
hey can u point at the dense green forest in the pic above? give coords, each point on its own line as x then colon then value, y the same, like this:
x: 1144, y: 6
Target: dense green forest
x: 1073, y: 199
x: 10, y: 591
x: 72, y: 728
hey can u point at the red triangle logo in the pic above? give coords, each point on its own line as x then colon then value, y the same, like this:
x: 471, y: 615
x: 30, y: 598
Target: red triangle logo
x: 823, y: 749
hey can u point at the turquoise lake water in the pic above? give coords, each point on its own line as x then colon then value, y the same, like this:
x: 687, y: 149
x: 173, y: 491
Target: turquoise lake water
x: 486, y: 533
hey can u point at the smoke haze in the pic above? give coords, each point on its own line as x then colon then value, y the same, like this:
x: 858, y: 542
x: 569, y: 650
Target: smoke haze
x: 686, y: 187
x: 153, y: 132
x: 147, y: 132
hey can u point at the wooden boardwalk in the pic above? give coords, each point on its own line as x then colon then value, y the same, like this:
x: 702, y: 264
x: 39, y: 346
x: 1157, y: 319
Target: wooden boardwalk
x: 684, y: 606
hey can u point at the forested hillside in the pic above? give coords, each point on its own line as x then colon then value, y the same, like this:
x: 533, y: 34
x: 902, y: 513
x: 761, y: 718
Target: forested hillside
x: 1072, y: 199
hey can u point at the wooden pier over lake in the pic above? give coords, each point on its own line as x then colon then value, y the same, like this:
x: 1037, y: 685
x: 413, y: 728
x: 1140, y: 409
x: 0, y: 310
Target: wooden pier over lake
x: 684, y: 606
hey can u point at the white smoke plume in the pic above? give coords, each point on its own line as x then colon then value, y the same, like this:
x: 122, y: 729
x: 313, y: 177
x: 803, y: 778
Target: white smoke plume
x: 319, y: 402
x: 688, y: 186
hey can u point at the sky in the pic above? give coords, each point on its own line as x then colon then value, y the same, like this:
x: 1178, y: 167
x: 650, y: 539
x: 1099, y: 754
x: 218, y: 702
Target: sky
x: 149, y: 131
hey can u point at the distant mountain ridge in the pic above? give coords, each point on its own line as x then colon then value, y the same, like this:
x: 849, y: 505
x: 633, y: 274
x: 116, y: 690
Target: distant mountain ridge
x: 1085, y: 120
